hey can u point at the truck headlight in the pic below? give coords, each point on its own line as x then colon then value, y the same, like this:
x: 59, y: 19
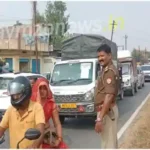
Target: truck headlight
x: 89, y: 95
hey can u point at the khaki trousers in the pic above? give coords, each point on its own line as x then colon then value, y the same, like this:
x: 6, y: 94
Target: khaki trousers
x: 109, y: 133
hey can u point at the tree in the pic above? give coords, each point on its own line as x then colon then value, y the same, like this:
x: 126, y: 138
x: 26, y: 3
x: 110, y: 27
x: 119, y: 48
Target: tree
x: 138, y: 55
x: 40, y: 18
x: 18, y: 23
x: 2, y: 62
x: 55, y: 16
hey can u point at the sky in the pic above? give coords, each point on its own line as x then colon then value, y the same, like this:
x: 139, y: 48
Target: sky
x: 132, y: 19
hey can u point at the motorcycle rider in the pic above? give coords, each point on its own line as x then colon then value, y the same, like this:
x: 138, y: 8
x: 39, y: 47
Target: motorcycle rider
x: 22, y: 115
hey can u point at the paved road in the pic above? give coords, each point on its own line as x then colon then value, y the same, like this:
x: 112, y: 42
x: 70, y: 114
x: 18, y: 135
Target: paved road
x: 79, y: 133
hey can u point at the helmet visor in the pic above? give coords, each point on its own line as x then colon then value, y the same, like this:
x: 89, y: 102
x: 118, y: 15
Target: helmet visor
x: 15, y: 88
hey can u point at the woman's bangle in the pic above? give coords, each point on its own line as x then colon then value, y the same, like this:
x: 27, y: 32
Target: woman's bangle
x: 60, y: 139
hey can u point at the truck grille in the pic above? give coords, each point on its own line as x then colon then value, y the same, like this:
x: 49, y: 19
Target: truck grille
x: 69, y: 98
x: 69, y: 110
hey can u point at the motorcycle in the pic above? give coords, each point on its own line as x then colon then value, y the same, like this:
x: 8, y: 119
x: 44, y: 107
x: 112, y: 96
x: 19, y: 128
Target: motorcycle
x: 30, y: 134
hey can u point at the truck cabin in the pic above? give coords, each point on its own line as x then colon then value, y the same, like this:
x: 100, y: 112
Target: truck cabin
x: 126, y: 65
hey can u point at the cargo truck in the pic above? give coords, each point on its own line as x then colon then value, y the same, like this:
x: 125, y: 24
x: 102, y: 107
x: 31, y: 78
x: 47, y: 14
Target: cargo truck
x: 129, y: 71
x: 74, y: 78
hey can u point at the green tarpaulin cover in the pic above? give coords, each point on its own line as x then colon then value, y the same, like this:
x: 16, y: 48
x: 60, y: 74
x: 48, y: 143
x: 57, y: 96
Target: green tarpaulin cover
x: 84, y: 46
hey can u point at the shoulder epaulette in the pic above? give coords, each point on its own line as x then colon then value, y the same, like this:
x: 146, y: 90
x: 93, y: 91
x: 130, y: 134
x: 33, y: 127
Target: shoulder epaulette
x: 106, y: 69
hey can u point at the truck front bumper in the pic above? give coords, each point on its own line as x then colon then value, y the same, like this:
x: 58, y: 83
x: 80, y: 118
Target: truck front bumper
x: 81, y: 110
x: 78, y: 115
x: 127, y: 88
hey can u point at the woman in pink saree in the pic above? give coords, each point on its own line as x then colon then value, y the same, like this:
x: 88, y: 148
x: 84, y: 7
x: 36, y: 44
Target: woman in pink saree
x: 43, y: 95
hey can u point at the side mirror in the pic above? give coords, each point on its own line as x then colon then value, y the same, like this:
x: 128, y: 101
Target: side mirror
x: 30, y: 134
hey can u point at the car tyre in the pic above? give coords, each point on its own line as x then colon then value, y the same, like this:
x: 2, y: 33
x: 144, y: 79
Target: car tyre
x: 136, y: 88
x: 62, y: 119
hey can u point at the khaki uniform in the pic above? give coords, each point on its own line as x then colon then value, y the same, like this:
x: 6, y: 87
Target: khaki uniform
x: 108, y: 84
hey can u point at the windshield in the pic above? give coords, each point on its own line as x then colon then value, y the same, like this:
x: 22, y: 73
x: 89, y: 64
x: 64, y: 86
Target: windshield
x: 72, y: 74
x: 125, y: 69
x: 4, y: 82
x: 145, y: 68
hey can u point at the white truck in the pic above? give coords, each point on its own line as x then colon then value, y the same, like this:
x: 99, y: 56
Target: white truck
x: 74, y: 78
x: 129, y: 71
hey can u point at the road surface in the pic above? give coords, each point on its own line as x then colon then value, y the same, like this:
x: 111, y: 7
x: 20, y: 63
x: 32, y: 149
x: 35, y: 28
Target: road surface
x: 79, y: 133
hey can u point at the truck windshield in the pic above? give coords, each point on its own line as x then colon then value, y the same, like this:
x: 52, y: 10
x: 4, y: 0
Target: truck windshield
x: 125, y: 69
x: 145, y: 68
x: 78, y: 73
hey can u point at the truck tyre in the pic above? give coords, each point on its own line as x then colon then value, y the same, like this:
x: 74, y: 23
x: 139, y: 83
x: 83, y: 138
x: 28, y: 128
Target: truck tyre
x: 132, y: 92
x: 136, y: 88
x: 140, y: 86
x: 143, y: 84
x: 121, y: 96
x: 62, y: 119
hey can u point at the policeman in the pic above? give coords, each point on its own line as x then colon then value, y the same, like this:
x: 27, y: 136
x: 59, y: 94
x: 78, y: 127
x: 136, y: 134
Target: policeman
x: 105, y: 99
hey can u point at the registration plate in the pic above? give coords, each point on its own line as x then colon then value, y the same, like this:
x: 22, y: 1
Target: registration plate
x: 70, y: 105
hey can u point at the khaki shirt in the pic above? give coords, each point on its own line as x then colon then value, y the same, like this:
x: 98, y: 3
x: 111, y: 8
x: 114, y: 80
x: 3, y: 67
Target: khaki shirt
x: 18, y: 125
x: 107, y: 83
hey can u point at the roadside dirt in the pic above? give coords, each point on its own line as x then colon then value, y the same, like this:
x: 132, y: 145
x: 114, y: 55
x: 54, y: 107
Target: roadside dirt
x: 138, y: 134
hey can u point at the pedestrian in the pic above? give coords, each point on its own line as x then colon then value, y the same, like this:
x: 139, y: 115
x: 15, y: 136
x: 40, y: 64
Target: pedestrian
x: 105, y: 99
x: 43, y: 95
x: 22, y: 115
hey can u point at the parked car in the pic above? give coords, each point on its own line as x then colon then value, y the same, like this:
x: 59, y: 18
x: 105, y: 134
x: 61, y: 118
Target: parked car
x: 146, y: 70
x: 141, y: 79
x: 5, y: 78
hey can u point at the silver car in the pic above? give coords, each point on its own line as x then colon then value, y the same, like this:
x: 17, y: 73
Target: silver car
x: 146, y: 71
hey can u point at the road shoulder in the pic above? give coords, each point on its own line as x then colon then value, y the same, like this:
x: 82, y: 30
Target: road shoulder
x: 137, y: 135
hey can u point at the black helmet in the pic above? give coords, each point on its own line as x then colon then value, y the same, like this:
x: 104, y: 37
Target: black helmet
x: 20, y: 85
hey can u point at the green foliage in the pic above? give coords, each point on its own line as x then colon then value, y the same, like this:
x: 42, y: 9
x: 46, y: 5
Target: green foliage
x: 140, y: 56
x: 2, y: 62
x: 55, y: 15
x: 40, y: 18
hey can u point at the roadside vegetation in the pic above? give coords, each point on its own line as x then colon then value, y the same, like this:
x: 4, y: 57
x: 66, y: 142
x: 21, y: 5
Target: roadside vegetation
x: 138, y: 134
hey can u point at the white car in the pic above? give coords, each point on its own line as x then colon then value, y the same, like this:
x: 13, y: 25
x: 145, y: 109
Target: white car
x: 146, y: 70
x: 4, y: 80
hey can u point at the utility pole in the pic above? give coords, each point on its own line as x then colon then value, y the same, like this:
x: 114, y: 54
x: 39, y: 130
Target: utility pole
x: 112, y: 32
x: 50, y: 39
x: 139, y: 54
x: 35, y: 32
x: 146, y: 55
x: 126, y: 41
x: 145, y: 52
